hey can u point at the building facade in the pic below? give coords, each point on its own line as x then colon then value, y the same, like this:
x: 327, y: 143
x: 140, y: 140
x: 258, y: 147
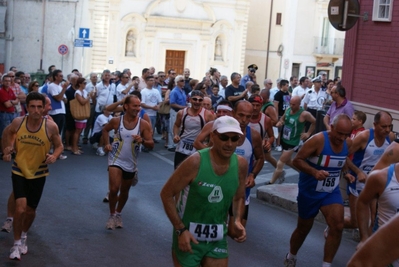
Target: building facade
x: 371, y: 63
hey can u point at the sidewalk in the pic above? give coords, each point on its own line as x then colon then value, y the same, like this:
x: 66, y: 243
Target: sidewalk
x: 284, y: 196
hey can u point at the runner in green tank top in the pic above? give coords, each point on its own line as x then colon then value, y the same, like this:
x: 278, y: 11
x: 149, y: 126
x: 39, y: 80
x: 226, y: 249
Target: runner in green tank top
x: 293, y: 120
x: 197, y: 197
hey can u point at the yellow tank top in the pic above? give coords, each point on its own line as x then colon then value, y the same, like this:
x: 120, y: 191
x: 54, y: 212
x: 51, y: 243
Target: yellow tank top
x: 31, y: 148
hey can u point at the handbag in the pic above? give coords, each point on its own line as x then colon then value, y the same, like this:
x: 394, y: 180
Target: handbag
x: 78, y: 111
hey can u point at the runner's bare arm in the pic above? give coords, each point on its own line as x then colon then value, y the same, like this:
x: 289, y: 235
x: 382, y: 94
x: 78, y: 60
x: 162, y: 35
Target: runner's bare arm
x: 203, y: 135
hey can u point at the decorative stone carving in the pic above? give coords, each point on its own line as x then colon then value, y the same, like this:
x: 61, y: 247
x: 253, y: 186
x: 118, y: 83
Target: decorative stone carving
x: 218, y: 49
x: 130, y: 44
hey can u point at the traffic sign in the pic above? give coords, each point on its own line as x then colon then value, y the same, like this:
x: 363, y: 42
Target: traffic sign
x: 83, y: 43
x: 63, y: 49
x: 84, y: 33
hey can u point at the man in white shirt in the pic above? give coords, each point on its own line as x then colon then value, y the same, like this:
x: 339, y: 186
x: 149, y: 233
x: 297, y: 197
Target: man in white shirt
x: 301, y: 89
x: 56, y: 93
x: 105, y: 93
x: 124, y: 88
x: 274, y: 90
x: 96, y: 138
x: 150, y: 101
x: 89, y: 88
x: 222, y: 85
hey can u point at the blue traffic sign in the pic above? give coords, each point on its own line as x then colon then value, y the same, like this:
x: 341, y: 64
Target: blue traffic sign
x: 84, y: 33
x: 83, y: 43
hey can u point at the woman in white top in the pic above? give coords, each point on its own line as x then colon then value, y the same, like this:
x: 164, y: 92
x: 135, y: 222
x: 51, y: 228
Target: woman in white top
x: 82, y: 97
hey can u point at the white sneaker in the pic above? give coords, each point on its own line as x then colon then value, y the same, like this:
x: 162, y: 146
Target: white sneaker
x: 62, y: 156
x: 100, y: 152
x: 279, y: 148
x: 15, y: 252
x: 110, y: 223
x: 289, y: 263
x: 7, y: 226
x: 118, y: 221
x: 24, y: 247
x: 95, y: 145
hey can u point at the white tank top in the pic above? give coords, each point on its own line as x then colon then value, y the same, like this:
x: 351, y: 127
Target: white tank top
x: 190, y: 128
x: 124, y: 151
x: 259, y: 126
x: 388, y: 202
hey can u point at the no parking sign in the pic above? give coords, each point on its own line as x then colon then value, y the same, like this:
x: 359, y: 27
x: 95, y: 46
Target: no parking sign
x: 63, y: 49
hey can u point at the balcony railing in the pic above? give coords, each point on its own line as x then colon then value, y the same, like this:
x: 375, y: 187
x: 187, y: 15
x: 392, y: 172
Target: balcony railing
x: 329, y: 46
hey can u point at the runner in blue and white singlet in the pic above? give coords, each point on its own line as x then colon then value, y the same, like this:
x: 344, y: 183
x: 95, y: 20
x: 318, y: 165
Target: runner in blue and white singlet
x: 125, y: 151
x: 365, y: 159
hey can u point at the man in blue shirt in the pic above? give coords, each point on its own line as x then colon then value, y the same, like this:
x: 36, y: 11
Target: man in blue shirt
x: 177, y: 99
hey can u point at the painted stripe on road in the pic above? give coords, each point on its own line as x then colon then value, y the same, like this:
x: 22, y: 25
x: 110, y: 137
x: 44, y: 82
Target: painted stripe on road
x: 162, y: 158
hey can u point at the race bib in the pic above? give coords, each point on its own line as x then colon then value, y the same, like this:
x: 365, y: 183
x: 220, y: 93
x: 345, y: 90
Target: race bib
x: 287, y: 132
x: 186, y: 146
x: 329, y: 184
x: 206, y: 232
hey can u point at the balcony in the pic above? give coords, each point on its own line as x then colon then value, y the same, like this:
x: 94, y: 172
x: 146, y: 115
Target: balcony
x: 328, y: 47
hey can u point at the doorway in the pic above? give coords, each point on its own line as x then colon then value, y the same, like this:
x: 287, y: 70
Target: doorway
x: 175, y: 60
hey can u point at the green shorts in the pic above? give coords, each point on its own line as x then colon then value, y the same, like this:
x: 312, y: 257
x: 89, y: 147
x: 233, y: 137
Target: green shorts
x: 216, y: 250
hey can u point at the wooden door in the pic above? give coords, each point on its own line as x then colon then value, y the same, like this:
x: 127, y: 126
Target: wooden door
x: 174, y: 60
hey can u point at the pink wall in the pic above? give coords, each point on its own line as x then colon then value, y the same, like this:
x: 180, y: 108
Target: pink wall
x: 370, y: 70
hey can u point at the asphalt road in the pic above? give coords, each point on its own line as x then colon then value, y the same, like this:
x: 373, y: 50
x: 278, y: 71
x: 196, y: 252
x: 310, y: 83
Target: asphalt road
x: 69, y: 229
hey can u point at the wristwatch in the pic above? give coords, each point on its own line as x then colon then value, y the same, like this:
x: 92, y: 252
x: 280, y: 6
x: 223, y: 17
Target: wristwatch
x: 180, y: 231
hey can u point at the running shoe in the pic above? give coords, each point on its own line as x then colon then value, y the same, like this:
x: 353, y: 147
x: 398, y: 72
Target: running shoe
x: 7, y: 226
x: 279, y: 148
x: 110, y: 223
x: 24, y: 247
x: 95, y: 145
x: 281, y: 179
x: 106, y: 200
x: 118, y: 221
x: 15, y: 252
x: 100, y: 152
x: 62, y: 156
x: 289, y: 262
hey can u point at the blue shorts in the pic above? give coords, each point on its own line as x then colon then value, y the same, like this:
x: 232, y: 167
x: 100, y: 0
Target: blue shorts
x: 308, y: 207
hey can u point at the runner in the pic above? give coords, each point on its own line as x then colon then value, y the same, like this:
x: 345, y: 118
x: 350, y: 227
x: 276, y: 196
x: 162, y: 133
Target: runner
x: 130, y: 132
x: 197, y: 196
x: 32, y: 136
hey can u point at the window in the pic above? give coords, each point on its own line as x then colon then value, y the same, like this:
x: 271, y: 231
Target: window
x: 324, y: 33
x: 278, y: 19
x: 382, y: 10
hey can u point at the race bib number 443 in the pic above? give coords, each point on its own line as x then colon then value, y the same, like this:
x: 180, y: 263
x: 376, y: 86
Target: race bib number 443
x: 206, y: 232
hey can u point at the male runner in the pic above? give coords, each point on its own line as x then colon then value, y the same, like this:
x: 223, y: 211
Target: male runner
x: 32, y: 136
x: 130, y: 132
x: 197, y: 196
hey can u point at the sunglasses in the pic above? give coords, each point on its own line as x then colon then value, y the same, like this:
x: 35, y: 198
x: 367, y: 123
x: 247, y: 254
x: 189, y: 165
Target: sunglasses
x: 35, y: 85
x: 180, y: 81
x: 224, y: 137
x: 197, y: 99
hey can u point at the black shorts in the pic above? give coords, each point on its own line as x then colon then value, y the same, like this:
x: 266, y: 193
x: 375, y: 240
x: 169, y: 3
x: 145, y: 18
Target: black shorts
x: 96, y: 138
x: 286, y: 146
x: 179, y: 158
x: 31, y: 189
x: 245, y: 215
x: 125, y: 175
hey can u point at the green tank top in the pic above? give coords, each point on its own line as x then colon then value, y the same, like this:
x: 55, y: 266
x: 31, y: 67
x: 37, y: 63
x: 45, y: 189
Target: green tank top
x: 292, y: 127
x: 203, y: 205
x: 268, y: 104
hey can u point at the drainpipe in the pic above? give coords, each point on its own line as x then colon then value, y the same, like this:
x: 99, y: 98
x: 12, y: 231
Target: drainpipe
x: 42, y: 42
x: 268, y: 38
x: 9, y: 34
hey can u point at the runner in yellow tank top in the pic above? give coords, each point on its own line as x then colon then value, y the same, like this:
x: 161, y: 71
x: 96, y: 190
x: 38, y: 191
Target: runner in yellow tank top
x: 31, y: 135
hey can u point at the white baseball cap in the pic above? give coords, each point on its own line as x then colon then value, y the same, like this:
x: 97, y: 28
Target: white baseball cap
x: 226, y: 124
